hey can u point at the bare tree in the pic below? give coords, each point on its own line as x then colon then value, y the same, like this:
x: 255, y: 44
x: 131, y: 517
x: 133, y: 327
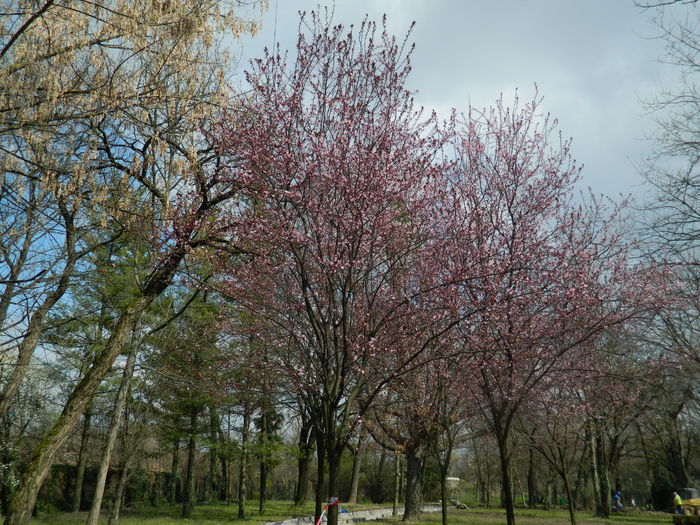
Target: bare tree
x: 673, y: 172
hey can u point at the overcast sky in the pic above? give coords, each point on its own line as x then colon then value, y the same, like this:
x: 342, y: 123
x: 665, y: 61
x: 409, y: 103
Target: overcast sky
x: 594, y: 62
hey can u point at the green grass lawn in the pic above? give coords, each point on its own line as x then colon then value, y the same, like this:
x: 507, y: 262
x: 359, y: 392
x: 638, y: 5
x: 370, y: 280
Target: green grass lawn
x: 280, y: 510
x: 203, y: 514
x: 480, y: 516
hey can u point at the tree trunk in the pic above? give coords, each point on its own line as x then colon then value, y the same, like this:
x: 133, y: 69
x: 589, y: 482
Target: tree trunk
x: 569, y: 497
x: 25, y: 351
x: 414, y: 469
x: 580, y: 481
x: 397, y: 483
x: 264, y: 459
x: 174, y: 471
x: 224, y: 479
x: 188, y: 499
x: 506, y: 481
x: 306, y: 450
x: 82, y: 461
x: 114, y: 424
x: 482, y: 480
x: 531, y: 486
x: 119, y: 497
x: 443, y: 496
x: 335, y: 455
x: 263, y: 487
x: 213, y: 480
x: 320, y: 476
x: 24, y: 498
x: 595, y: 477
x: 600, y: 473
x: 355, y: 480
x: 243, y: 467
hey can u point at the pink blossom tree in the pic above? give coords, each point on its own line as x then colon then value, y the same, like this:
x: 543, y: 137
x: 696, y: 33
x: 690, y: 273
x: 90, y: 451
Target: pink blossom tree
x: 555, y: 275
x: 341, y: 174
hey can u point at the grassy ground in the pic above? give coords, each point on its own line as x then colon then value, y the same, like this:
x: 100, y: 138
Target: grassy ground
x: 201, y: 515
x: 277, y: 511
x: 481, y: 516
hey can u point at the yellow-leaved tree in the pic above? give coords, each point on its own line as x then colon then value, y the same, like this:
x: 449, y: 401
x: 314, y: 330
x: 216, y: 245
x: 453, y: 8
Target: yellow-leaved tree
x: 101, y: 107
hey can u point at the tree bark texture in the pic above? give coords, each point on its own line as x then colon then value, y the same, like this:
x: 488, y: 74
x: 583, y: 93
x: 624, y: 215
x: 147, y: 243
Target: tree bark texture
x: 306, y: 451
x: 320, y: 476
x: 506, y: 479
x: 414, y: 471
x: 356, y: 467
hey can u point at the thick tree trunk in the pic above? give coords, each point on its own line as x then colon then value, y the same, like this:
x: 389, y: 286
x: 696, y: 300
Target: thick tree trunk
x: 82, y: 461
x: 414, y: 471
x: 355, y: 480
x: 482, y: 478
x: 531, y: 485
x: 188, y: 499
x: 118, y: 410
x: 306, y: 450
x: 320, y: 476
x: 506, y: 479
x: 335, y: 455
x: 600, y: 472
x: 243, y: 466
